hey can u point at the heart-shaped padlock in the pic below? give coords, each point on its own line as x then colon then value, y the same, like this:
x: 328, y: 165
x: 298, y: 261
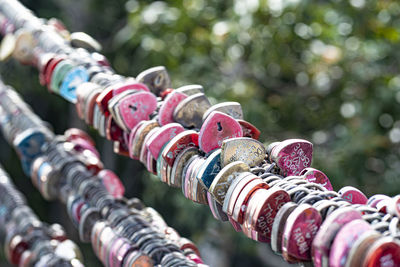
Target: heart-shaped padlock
x: 215, y: 129
x: 136, y: 107
x: 165, y: 114
x: 292, y: 156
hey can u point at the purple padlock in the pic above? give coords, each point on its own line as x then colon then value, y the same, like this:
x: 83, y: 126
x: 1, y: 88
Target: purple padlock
x: 165, y: 114
x: 215, y: 129
x: 353, y: 195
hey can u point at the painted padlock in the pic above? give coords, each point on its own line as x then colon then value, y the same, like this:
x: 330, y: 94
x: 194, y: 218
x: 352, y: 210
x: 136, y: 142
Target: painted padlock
x: 112, y: 183
x: 165, y: 114
x: 215, y: 129
x: 72, y: 80
x: 249, y: 130
x: 134, y: 108
x: 181, y: 141
x: 116, y: 89
x: 316, y: 176
x: 292, y: 156
x: 301, y: 227
x: 162, y: 136
x: 353, y: 195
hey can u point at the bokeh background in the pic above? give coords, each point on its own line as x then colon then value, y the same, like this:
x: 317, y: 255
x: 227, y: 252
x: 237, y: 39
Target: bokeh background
x: 326, y: 71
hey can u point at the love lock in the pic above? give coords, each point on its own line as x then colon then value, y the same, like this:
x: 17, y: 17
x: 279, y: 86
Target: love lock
x: 181, y: 141
x: 112, y: 183
x: 233, y: 109
x: 189, y: 112
x: 353, y: 195
x: 162, y: 136
x: 316, y: 176
x: 72, y: 80
x: 301, y: 227
x: 249, y: 130
x: 215, y: 129
x: 165, y: 114
x: 292, y: 155
x: 137, y: 137
x: 190, y: 89
x: 133, y: 108
x: 114, y: 90
x: 245, y: 149
x: 210, y: 168
x: 7, y: 46
x: 59, y: 73
x: 83, y: 40
x: 24, y: 47
x: 327, y: 233
x: 156, y: 78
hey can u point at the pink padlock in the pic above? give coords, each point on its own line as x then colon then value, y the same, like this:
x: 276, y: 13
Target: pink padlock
x: 301, y: 227
x: 292, y: 156
x: 165, y: 114
x: 107, y: 94
x: 73, y: 133
x: 216, y: 128
x: 344, y: 241
x: 162, y: 136
x: 353, y: 195
x: 136, y: 107
x: 316, y: 176
x: 249, y: 130
x: 82, y: 144
x: 262, y: 209
x: 112, y: 183
x: 321, y: 244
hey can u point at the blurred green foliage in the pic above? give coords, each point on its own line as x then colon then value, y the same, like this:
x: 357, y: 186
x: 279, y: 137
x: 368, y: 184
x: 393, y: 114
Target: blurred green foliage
x: 326, y: 71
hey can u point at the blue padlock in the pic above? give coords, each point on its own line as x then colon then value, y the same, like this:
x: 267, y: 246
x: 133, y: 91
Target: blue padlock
x: 29, y: 145
x: 210, y: 168
x: 72, y: 80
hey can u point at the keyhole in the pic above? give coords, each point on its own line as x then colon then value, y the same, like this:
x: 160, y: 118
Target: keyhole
x: 134, y: 108
x: 219, y: 126
x: 158, y: 80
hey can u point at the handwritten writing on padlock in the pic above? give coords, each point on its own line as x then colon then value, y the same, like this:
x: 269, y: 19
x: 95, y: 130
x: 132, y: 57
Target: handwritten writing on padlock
x: 292, y: 156
x: 316, y: 176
